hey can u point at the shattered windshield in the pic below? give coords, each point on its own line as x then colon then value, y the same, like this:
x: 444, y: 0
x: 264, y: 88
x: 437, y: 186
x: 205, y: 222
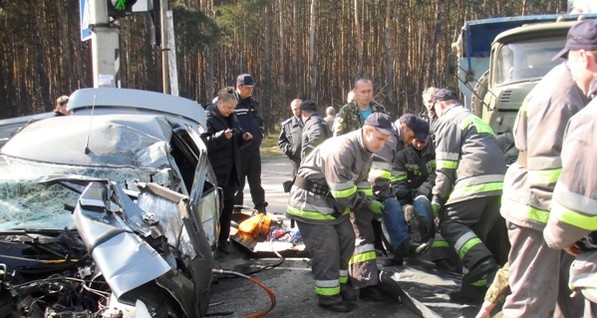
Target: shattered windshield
x: 25, y: 203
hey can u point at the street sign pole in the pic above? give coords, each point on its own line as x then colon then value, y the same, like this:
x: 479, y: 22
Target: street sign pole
x: 104, y: 45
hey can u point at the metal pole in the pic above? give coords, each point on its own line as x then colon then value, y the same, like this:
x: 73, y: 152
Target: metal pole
x: 164, y: 44
x: 104, y: 46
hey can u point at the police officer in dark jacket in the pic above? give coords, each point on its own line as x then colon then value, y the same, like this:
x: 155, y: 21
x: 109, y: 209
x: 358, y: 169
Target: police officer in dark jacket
x: 248, y: 116
x: 224, y: 138
x: 289, y: 140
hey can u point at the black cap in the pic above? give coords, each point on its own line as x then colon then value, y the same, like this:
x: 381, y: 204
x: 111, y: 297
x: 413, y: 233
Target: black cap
x: 308, y: 105
x: 444, y: 94
x: 245, y: 79
x: 581, y: 36
x: 419, y: 126
x: 380, y: 121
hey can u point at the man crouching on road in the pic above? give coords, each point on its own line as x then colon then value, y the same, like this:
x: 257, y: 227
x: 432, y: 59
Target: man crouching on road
x: 321, y: 199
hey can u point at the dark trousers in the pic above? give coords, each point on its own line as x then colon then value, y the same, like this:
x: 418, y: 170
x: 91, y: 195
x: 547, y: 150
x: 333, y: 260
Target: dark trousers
x: 250, y: 168
x: 476, y: 230
x: 226, y: 215
x: 330, y: 247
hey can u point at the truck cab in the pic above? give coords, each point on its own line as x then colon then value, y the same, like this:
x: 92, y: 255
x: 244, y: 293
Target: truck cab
x: 500, y: 60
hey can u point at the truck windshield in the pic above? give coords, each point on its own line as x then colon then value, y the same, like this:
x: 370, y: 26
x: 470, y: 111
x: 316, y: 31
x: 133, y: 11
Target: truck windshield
x: 526, y: 60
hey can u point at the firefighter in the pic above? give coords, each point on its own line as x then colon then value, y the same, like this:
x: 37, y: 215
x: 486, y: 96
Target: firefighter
x: 573, y: 208
x: 289, y: 140
x: 389, y: 177
x: 316, y: 129
x: 351, y: 117
x: 321, y: 200
x: 466, y: 196
x: 536, y: 271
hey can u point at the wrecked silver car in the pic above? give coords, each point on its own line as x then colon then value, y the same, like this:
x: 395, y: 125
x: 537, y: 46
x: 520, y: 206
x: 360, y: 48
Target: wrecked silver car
x: 110, y: 212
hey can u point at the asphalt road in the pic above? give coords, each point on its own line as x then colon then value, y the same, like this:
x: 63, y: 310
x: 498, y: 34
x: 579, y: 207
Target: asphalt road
x: 291, y: 281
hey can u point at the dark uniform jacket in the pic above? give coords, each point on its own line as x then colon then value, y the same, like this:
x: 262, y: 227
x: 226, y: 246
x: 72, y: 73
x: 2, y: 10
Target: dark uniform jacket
x: 247, y: 112
x: 290, y: 137
x: 349, y: 117
x: 419, y: 167
x: 469, y: 160
x: 315, y: 131
x: 222, y: 152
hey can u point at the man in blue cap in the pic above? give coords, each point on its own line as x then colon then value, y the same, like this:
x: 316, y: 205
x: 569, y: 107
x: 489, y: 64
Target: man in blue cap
x: 247, y: 112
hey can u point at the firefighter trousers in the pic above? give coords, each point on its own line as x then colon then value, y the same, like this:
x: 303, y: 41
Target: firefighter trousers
x: 538, y: 278
x: 476, y: 230
x: 363, y: 269
x: 330, y: 247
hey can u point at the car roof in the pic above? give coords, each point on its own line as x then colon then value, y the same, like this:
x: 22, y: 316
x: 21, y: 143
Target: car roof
x: 112, y: 140
x: 134, y: 101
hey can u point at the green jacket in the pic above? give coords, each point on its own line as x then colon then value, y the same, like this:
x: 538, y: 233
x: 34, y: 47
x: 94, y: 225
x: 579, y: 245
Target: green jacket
x: 349, y: 118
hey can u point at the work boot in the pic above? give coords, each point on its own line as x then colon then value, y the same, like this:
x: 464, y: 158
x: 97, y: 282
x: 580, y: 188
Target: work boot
x: 349, y: 295
x: 415, y: 224
x: 334, y: 303
x: 261, y: 207
x: 337, y: 307
x: 224, y: 247
x: 484, y: 269
x: 375, y: 294
x: 468, y: 294
x: 418, y: 248
x: 393, y: 261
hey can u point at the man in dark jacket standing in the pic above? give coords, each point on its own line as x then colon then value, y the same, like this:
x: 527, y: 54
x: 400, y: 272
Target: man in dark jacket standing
x: 248, y: 116
x: 289, y: 140
x: 315, y: 131
x: 223, y: 138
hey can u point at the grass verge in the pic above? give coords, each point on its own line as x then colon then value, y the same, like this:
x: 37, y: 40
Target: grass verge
x: 269, y: 146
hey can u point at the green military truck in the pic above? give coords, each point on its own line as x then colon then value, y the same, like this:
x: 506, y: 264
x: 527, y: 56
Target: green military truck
x: 500, y: 60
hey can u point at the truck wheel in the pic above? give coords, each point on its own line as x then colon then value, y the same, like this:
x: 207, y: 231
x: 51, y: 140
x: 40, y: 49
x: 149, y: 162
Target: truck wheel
x: 479, y: 92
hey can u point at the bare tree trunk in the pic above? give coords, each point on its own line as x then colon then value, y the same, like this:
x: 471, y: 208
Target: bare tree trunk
x: 266, y: 101
x: 208, y: 68
x: 389, y: 58
x: 358, y: 31
x: 312, y: 50
x: 281, y: 83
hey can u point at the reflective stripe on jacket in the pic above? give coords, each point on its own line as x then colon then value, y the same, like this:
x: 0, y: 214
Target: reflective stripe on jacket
x: 538, y: 135
x: 383, y: 169
x: 574, y: 204
x: 469, y: 162
x: 342, y: 163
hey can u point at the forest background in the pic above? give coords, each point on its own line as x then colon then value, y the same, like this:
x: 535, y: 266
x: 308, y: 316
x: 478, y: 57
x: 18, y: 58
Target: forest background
x: 311, y: 49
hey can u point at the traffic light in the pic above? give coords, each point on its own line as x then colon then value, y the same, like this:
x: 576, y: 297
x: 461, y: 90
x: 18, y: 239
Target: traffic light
x: 120, y: 8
